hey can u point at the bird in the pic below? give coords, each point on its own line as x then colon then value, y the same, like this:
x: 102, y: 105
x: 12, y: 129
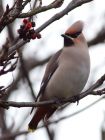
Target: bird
x: 66, y: 73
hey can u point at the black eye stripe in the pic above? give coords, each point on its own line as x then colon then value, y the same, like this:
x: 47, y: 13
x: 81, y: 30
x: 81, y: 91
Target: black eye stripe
x: 74, y: 35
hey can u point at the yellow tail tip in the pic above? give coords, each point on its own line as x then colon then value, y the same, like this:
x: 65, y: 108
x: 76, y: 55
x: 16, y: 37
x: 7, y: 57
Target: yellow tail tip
x: 31, y: 130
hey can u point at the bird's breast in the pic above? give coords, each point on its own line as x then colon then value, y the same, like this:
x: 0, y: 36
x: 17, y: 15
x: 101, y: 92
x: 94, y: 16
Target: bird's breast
x: 69, y: 79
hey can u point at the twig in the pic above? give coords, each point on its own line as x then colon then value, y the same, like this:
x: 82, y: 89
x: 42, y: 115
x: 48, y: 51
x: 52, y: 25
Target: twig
x: 72, y: 5
x: 11, y: 13
x: 16, y: 46
x: 25, y: 73
x: 55, y: 4
x: 100, y: 38
x: 13, y: 135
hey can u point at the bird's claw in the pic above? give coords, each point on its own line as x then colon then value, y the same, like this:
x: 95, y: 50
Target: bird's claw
x: 77, y: 99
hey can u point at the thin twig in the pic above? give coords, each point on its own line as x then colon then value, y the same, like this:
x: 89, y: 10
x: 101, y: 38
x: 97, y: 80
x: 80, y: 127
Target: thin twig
x: 26, y: 75
x: 13, y: 135
x: 11, y: 13
x: 99, y: 38
x: 72, y: 5
x: 55, y: 4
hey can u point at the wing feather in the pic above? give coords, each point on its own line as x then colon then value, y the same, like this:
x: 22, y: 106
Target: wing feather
x: 50, y: 69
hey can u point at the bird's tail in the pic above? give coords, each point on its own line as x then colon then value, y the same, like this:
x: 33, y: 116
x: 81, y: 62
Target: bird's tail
x: 40, y: 113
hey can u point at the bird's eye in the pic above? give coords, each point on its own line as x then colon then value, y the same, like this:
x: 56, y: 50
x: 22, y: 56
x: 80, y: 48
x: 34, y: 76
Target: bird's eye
x: 74, y: 35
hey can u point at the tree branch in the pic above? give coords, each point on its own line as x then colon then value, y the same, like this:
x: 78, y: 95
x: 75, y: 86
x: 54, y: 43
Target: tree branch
x: 99, y: 38
x: 72, y: 5
x: 11, y: 13
x: 55, y: 4
x: 13, y: 135
x: 25, y: 73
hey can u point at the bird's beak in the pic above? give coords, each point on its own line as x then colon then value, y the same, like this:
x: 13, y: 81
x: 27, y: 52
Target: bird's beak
x: 63, y: 35
x: 66, y: 36
x: 68, y: 40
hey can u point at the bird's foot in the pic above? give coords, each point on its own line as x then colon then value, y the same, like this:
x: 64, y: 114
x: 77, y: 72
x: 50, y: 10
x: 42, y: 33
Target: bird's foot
x: 45, y: 120
x: 76, y: 97
x: 58, y: 103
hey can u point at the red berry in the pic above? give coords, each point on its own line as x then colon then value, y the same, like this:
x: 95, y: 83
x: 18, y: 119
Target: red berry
x: 19, y: 31
x: 20, y: 36
x: 25, y: 21
x: 38, y: 36
x: 28, y: 25
x: 28, y: 35
x: 33, y: 36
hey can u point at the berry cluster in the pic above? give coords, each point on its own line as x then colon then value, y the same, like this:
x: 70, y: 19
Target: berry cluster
x: 27, y: 32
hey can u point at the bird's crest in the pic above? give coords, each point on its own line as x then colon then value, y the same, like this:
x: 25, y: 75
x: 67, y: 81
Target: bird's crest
x: 75, y: 29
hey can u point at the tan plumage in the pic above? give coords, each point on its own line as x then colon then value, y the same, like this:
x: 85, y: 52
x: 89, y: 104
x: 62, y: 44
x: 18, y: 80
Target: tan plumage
x: 66, y: 73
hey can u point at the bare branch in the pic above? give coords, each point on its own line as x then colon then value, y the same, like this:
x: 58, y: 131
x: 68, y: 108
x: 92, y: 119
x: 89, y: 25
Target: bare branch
x: 11, y: 13
x: 13, y: 135
x: 72, y: 5
x: 25, y: 73
x: 17, y: 46
x: 55, y: 4
x: 100, y: 38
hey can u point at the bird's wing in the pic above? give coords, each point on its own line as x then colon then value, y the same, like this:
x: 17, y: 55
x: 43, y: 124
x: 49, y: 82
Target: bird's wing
x: 50, y: 69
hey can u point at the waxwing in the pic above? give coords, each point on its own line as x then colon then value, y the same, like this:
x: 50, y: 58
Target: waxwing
x: 66, y: 73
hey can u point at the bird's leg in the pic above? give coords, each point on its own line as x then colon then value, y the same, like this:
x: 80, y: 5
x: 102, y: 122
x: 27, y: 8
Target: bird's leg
x: 45, y: 120
x: 77, y: 97
x: 58, y: 102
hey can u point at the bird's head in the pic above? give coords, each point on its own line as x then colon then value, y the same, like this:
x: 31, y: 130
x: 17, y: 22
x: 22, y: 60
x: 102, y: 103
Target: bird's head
x: 73, y: 34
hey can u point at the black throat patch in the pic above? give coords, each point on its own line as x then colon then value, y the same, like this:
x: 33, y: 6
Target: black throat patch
x: 68, y: 42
